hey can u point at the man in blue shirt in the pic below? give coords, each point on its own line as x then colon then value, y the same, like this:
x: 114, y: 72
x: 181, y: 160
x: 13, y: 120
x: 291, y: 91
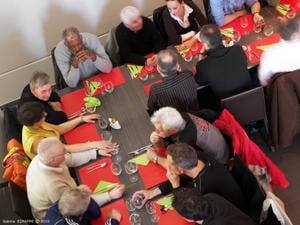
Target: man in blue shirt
x: 225, y: 11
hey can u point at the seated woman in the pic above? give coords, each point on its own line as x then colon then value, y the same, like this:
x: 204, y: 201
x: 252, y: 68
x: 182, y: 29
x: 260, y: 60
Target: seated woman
x: 32, y: 115
x: 182, y: 21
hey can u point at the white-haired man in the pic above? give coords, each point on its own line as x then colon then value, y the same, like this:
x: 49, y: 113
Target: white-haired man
x: 48, y: 176
x: 172, y: 126
x: 137, y: 37
x: 80, y: 55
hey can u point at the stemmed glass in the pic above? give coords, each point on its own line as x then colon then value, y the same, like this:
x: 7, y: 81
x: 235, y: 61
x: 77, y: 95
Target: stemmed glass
x: 135, y: 219
x: 116, y: 156
x: 151, y: 211
x: 131, y: 169
x: 109, y: 87
x: 116, y: 169
x: 106, y: 135
x: 138, y: 201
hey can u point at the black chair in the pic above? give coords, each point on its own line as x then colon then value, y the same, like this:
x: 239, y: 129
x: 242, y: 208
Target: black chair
x: 207, y: 99
x: 248, y: 107
x: 208, y: 13
x: 20, y: 203
x: 112, y: 48
x: 159, y: 23
x: 59, y: 79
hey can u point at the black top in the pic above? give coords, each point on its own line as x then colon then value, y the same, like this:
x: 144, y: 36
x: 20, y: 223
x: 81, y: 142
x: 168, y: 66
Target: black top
x: 133, y: 46
x: 225, y: 71
x: 54, y: 117
x: 174, y: 29
x: 178, y: 90
x: 214, y: 178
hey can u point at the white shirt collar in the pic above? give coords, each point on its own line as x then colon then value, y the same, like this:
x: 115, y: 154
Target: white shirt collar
x: 187, y: 11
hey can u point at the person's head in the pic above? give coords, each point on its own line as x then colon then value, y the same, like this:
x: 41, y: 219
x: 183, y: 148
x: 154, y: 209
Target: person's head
x: 131, y: 17
x: 167, y: 121
x: 74, y: 202
x: 167, y: 62
x: 189, y: 203
x: 51, y: 151
x: 210, y: 36
x: 31, y: 113
x: 40, y: 86
x: 181, y: 157
x: 290, y: 30
x: 72, y: 39
x: 175, y: 7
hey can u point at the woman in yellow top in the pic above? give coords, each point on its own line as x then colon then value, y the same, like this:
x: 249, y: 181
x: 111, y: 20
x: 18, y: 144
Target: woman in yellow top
x: 32, y: 116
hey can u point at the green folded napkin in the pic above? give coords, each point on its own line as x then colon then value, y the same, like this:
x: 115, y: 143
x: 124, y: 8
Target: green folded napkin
x: 104, y: 186
x: 182, y: 52
x: 135, y: 70
x: 283, y: 8
x: 264, y: 47
x: 228, y: 32
x: 92, y: 85
x: 91, y: 102
x: 141, y: 160
x: 166, y: 202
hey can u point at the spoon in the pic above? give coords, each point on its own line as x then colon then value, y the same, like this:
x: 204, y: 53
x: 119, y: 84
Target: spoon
x: 101, y: 165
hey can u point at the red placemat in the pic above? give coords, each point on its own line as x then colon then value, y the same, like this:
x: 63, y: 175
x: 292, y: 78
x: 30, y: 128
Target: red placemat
x: 93, y: 178
x: 293, y: 4
x: 170, y: 217
x: 152, y: 174
x: 235, y: 24
x: 265, y: 41
x: 120, y: 205
x: 115, y: 76
x: 147, y: 87
x: 194, y: 50
x: 83, y: 133
x: 73, y: 102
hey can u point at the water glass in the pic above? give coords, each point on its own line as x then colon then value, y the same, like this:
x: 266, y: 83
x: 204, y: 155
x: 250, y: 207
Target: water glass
x: 99, y: 82
x: 268, y: 30
x: 87, y: 91
x: 130, y: 205
x: 91, y: 109
x: 138, y: 201
x: 116, y: 169
x: 236, y: 36
x: 103, y: 124
x: 135, y: 219
x: 131, y: 169
x: 291, y: 13
x: 188, y: 59
x: 144, y: 77
x: 115, y: 155
x: 257, y: 28
x: 194, y: 47
x: 109, y: 87
x: 151, y: 211
x: 244, y: 22
x: 106, y: 135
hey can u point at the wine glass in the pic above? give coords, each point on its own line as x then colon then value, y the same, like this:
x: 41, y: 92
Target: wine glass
x: 116, y: 169
x: 135, y: 219
x: 115, y: 155
x: 268, y: 30
x: 151, y: 211
x: 99, y: 82
x: 103, y: 124
x: 131, y: 169
x: 91, y: 109
x: 236, y: 36
x: 138, y: 201
x: 291, y: 13
x: 144, y: 77
x: 109, y: 87
x: 130, y: 205
x: 87, y: 91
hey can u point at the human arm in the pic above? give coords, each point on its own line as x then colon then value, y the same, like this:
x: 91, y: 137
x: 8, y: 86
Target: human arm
x: 153, y: 156
x: 147, y: 194
x: 106, y: 197
x: 104, y: 147
x: 157, y: 141
x: 255, y: 10
x: 113, y: 218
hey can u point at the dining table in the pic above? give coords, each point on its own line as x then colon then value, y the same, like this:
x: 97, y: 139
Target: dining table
x: 127, y: 104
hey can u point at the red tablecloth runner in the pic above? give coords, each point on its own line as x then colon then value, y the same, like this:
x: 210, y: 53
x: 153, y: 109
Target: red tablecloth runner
x: 170, y: 217
x: 265, y: 41
x: 120, y: 205
x: 235, y: 24
x: 293, y: 4
x: 92, y: 179
x: 115, y: 76
x: 147, y: 87
x: 194, y: 49
x: 83, y: 133
x: 73, y: 101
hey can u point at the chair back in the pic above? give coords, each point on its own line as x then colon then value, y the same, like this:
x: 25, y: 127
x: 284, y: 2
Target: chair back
x: 207, y: 99
x: 159, y: 23
x: 59, y: 79
x: 208, y: 13
x: 247, y: 107
x: 112, y: 48
x: 20, y: 203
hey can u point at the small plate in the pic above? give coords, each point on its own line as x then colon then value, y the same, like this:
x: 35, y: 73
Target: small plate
x: 229, y: 44
x: 116, y: 125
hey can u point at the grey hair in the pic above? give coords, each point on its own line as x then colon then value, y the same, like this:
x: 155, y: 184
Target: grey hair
x: 183, y: 155
x: 70, y: 32
x: 73, y: 202
x: 211, y: 35
x: 128, y: 13
x: 39, y: 79
x: 169, y: 118
x: 167, y: 61
x: 44, y: 149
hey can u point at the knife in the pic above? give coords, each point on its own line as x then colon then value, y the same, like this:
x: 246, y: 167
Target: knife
x: 140, y: 150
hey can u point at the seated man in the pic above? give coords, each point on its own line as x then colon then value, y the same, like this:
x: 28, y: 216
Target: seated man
x: 39, y: 90
x: 172, y: 126
x: 231, y: 75
x: 48, y: 176
x: 80, y: 55
x: 32, y: 116
x: 282, y: 57
x: 186, y: 168
x: 225, y: 11
x: 76, y: 205
x: 208, y: 209
x: 137, y: 37
x: 178, y: 89
x: 182, y: 20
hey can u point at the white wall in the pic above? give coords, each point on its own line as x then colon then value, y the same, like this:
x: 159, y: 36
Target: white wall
x: 31, y: 28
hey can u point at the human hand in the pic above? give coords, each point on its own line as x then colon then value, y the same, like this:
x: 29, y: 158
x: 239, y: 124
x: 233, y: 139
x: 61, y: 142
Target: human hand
x: 151, y: 61
x: 56, y: 106
x: 258, y: 19
x: 115, y: 214
x: 84, y: 188
x: 90, y: 118
x: 105, y: 147
x: 151, y: 154
x: 188, y: 44
x: 145, y: 194
x: 154, y: 138
x: 173, y: 178
x: 117, y: 192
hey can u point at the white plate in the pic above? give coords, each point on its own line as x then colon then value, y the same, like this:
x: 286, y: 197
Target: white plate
x: 229, y: 44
